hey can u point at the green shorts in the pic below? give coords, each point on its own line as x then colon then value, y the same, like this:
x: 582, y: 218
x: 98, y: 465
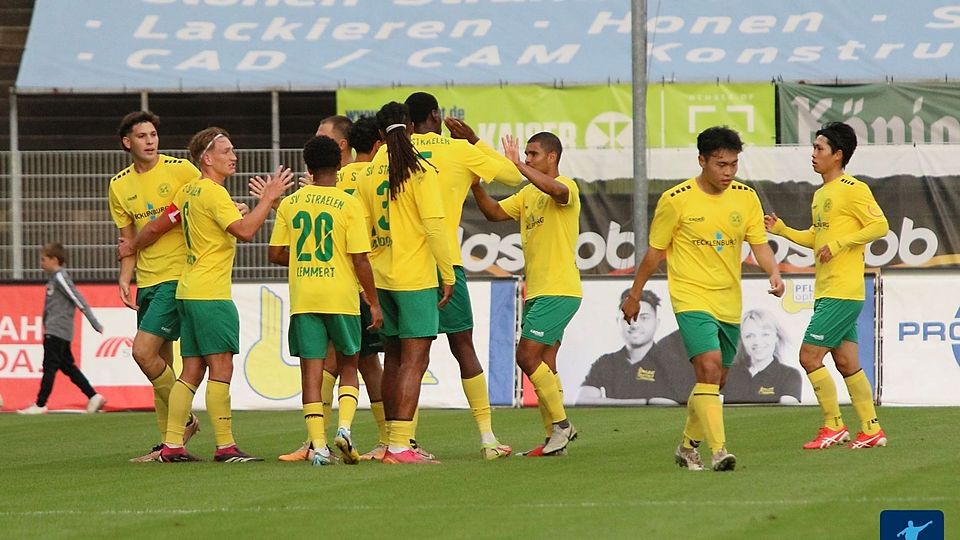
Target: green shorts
x: 208, y: 327
x: 309, y: 334
x: 409, y: 314
x: 457, y: 315
x: 370, y: 342
x: 158, y: 310
x: 834, y: 321
x: 702, y: 332
x: 546, y: 317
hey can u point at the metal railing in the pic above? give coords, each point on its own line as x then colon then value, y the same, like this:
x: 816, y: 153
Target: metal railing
x: 64, y: 199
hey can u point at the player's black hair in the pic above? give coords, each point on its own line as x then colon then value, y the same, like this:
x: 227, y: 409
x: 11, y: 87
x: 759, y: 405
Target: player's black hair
x: 549, y: 142
x: 364, y: 133
x: 339, y: 124
x: 421, y: 105
x: 403, y: 158
x: 840, y: 136
x: 132, y: 119
x: 718, y: 138
x: 647, y: 296
x: 321, y: 154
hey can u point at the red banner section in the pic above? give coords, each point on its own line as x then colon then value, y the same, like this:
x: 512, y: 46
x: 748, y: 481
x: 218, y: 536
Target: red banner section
x: 105, y: 359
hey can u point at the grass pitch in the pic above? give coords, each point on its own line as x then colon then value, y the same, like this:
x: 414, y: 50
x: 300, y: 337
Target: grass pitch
x: 68, y: 476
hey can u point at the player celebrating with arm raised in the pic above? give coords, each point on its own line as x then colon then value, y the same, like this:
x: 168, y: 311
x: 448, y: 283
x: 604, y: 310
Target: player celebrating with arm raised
x: 459, y: 162
x: 404, y: 209
x: 210, y: 330
x: 548, y: 210
x: 845, y: 218
x: 321, y: 234
x: 699, y: 226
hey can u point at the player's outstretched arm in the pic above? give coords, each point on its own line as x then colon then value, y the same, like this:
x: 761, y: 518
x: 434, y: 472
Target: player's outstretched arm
x: 558, y: 191
x: 776, y: 226
x: 768, y: 263
x: 648, y: 265
x: 489, y: 207
x: 245, y: 229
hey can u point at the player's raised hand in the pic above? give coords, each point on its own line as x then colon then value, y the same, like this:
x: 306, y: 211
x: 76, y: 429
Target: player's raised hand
x: 460, y: 130
x: 306, y: 179
x: 511, y: 148
x: 776, y: 286
x: 242, y: 207
x: 276, y: 184
x: 770, y: 220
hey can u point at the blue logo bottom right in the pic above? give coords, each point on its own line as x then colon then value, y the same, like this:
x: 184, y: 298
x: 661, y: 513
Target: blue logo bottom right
x: 911, y: 525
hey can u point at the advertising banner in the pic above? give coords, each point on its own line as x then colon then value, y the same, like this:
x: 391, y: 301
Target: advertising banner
x: 105, y: 359
x: 894, y: 113
x: 603, y: 370
x: 598, y: 117
x: 920, y: 350
x: 189, y: 45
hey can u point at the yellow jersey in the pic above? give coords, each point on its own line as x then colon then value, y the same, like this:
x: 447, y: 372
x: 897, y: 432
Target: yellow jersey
x: 703, y: 236
x: 349, y: 176
x: 459, y: 163
x: 206, y: 210
x: 138, y: 199
x: 846, y: 217
x: 322, y: 226
x: 400, y: 255
x: 548, y: 235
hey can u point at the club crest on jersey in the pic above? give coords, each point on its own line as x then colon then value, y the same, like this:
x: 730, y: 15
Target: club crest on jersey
x: 163, y: 189
x: 827, y: 205
x: 736, y: 219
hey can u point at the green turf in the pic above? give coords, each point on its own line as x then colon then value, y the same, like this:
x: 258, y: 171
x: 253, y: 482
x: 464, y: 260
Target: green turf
x: 67, y: 476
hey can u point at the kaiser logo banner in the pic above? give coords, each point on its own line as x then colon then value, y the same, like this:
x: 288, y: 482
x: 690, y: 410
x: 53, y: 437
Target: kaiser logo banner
x: 598, y: 117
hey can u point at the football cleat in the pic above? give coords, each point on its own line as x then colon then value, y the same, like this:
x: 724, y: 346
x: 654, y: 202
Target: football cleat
x: 559, y: 438
x: 152, y: 455
x: 321, y: 459
x: 96, y: 403
x: 423, y: 453
x: 300, y: 454
x: 723, y: 460
x: 537, y: 451
x: 345, y: 445
x: 869, y: 441
x: 376, y: 454
x: 191, y: 428
x: 232, y: 454
x: 495, y: 450
x: 406, y: 457
x: 827, y: 437
x: 688, y: 458
x: 33, y: 409
x: 175, y: 455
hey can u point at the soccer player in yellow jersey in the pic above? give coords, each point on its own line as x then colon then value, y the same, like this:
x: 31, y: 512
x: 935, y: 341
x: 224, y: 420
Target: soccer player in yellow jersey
x: 137, y: 195
x: 846, y: 217
x: 459, y: 162
x: 548, y: 210
x: 404, y: 212
x: 699, y: 226
x: 320, y: 233
x: 210, y: 329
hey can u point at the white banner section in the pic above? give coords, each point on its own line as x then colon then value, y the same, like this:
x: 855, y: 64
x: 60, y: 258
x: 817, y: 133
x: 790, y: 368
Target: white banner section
x: 595, y: 359
x: 920, y: 360
x: 265, y: 376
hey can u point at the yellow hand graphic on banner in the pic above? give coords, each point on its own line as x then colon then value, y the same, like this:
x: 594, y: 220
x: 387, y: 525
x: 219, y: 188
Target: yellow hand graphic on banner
x: 266, y: 371
x: 429, y: 378
x: 797, y: 297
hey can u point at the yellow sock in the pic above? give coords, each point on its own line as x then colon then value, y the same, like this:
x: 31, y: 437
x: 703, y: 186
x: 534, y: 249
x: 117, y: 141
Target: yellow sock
x: 401, y: 432
x: 861, y: 394
x: 326, y: 393
x: 559, y: 385
x: 693, y: 430
x: 545, y: 384
x: 414, y: 423
x: 180, y: 403
x: 348, y: 406
x: 826, y: 392
x: 475, y: 388
x: 218, y: 408
x: 162, y: 385
x: 709, y: 410
x: 313, y: 416
x: 376, y: 407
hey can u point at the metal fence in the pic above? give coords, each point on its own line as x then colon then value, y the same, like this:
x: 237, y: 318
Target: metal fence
x: 64, y: 199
